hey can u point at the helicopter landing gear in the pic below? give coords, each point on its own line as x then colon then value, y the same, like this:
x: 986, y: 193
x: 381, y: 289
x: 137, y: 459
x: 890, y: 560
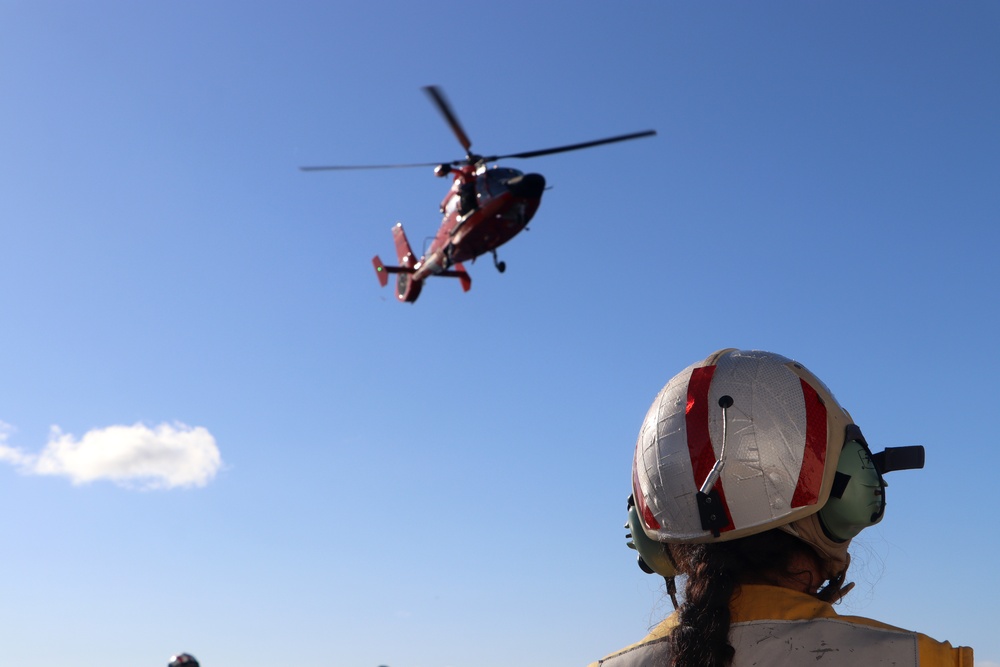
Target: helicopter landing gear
x: 501, y: 266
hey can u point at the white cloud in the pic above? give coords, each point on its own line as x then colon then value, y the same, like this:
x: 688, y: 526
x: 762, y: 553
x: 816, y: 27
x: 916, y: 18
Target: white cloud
x: 162, y: 457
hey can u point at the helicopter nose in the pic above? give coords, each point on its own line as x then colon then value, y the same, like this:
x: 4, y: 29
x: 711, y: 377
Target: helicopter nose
x: 529, y: 186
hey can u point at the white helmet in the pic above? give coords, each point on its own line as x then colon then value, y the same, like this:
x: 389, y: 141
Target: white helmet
x: 737, y: 444
x: 744, y: 442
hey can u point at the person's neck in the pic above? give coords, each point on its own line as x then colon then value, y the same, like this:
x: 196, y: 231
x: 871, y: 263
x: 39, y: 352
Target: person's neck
x: 804, y: 575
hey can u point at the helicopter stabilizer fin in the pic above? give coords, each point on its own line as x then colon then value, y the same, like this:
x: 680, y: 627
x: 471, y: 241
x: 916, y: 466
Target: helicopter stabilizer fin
x: 380, y: 271
x: 462, y: 275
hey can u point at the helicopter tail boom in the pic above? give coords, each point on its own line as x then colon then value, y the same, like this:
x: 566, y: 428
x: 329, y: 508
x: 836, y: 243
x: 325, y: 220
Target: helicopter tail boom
x: 408, y: 285
x: 382, y: 273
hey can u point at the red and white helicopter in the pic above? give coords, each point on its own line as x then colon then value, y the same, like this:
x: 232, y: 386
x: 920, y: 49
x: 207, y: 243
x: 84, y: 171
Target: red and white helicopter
x: 485, y: 208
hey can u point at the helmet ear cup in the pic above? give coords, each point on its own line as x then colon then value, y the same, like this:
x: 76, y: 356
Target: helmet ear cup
x: 857, y: 499
x: 653, y: 557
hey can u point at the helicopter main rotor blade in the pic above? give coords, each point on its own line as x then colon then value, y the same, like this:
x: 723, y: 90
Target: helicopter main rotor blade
x: 437, y: 96
x: 572, y: 147
x: 370, y: 166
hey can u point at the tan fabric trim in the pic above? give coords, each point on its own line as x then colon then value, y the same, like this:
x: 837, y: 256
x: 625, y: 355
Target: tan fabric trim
x: 834, y: 554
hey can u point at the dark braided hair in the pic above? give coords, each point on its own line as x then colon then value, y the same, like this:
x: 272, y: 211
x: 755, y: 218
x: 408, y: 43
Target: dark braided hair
x: 714, y: 572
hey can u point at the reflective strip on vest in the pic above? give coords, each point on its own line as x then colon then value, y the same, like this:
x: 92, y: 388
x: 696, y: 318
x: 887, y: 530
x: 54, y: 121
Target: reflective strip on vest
x: 823, y: 642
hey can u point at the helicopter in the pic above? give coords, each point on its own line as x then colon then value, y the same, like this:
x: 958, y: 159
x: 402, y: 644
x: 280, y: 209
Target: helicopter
x: 484, y: 208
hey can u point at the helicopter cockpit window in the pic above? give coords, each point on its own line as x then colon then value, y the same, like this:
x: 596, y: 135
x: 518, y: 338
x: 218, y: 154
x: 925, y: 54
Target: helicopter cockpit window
x: 496, y: 179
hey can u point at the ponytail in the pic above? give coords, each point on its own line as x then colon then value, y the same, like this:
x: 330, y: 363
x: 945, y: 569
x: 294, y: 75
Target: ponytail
x: 701, y: 638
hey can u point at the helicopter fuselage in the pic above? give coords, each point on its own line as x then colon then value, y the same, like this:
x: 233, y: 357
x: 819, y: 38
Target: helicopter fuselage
x: 505, y: 201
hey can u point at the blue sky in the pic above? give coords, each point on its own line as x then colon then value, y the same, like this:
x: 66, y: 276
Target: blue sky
x: 220, y: 435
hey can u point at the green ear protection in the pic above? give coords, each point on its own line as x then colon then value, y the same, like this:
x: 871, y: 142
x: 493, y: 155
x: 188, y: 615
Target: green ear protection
x: 857, y: 499
x: 653, y: 558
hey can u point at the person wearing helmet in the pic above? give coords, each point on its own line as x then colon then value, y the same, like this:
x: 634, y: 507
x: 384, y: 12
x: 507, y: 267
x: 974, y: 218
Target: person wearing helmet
x: 751, y: 480
x: 183, y: 660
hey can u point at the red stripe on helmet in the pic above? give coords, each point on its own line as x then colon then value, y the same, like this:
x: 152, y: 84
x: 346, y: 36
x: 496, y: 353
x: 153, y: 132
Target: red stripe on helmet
x: 698, y: 437
x: 814, y: 456
x: 640, y: 498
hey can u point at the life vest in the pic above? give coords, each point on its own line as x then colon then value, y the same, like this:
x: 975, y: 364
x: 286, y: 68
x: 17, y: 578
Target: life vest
x: 779, y: 626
